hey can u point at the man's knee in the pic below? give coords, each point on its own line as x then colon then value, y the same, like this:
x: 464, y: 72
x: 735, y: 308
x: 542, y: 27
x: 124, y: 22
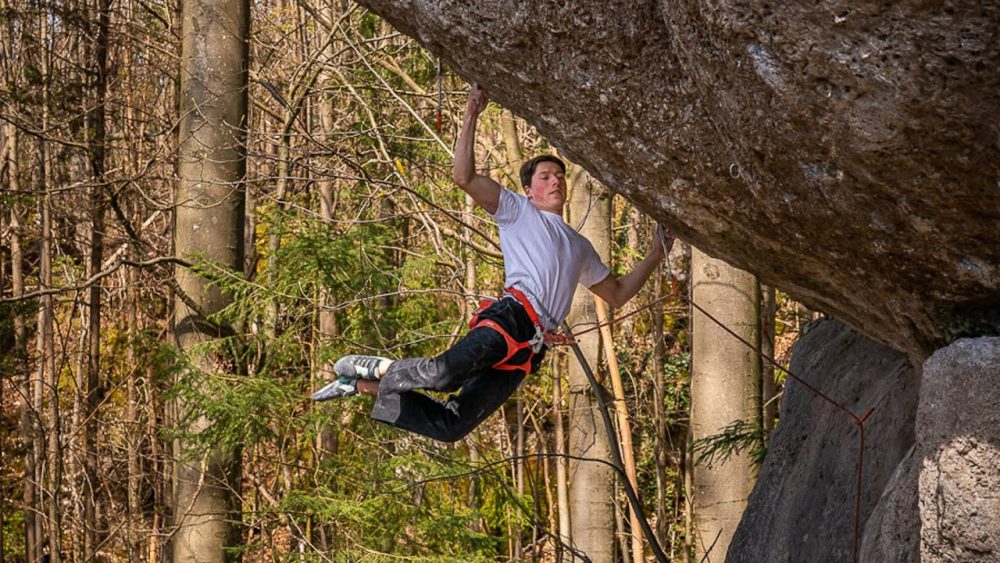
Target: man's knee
x: 443, y: 375
x: 453, y: 433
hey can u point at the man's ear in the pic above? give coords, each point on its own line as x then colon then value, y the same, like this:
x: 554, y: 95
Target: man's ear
x: 527, y: 192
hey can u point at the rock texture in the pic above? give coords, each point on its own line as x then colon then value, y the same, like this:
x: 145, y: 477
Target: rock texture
x: 892, y: 532
x: 930, y: 474
x: 848, y: 152
x: 803, y: 506
x: 958, y: 448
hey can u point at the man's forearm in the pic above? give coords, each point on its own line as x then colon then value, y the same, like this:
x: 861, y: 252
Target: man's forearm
x: 464, y: 167
x: 630, y: 284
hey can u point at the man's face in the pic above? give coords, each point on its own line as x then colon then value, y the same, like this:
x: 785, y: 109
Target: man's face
x: 548, y: 187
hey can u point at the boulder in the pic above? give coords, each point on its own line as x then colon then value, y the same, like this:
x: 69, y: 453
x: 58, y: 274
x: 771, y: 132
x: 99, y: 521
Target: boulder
x: 892, y: 532
x: 847, y: 152
x: 929, y: 479
x: 958, y: 449
x: 804, y: 506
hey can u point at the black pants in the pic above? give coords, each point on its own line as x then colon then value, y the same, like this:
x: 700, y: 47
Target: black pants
x: 465, y: 368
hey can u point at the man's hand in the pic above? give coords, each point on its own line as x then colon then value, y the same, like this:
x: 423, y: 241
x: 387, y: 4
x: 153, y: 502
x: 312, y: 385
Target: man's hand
x: 478, y: 100
x: 661, y: 244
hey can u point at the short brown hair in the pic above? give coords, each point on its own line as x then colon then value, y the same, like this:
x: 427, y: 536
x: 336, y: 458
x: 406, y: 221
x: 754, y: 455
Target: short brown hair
x: 528, y: 168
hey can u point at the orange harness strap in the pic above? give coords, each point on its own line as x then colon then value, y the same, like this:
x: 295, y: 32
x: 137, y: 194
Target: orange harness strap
x: 542, y: 337
x: 513, y: 348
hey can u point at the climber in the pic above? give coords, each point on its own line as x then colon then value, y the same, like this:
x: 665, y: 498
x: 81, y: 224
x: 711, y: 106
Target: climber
x: 544, y: 260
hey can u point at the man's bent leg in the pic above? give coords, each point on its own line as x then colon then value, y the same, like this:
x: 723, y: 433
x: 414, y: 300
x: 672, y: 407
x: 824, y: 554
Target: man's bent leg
x: 468, y: 363
x: 476, y: 352
x: 451, y: 419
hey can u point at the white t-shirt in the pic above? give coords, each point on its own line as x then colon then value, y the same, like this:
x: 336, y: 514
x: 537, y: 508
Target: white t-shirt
x: 544, y: 257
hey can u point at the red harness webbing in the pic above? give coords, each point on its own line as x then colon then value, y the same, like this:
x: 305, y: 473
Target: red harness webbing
x: 513, y: 346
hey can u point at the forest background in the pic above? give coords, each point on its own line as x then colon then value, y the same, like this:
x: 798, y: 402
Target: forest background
x: 355, y: 240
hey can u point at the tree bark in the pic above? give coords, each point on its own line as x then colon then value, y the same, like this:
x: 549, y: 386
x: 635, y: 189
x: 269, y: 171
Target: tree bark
x: 29, y: 421
x: 209, y: 220
x: 591, y: 482
x: 725, y: 387
x: 53, y: 465
x: 46, y: 348
x: 661, y: 447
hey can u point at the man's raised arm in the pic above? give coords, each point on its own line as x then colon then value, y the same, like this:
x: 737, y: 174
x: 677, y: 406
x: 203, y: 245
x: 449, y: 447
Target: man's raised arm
x: 484, y: 190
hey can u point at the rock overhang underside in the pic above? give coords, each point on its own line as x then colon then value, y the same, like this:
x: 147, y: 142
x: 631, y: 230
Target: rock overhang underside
x: 846, y: 152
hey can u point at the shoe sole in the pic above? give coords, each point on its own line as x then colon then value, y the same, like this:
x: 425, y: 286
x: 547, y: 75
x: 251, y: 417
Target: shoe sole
x: 330, y: 391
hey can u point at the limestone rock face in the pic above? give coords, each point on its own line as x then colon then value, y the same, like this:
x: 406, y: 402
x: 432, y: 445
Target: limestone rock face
x: 803, y: 505
x: 848, y: 152
x: 958, y: 445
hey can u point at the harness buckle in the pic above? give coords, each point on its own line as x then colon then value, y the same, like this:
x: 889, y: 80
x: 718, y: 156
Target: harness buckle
x: 538, y: 340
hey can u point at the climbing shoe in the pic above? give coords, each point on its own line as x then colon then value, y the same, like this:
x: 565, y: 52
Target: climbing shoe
x: 343, y: 386
x: 364, y: 367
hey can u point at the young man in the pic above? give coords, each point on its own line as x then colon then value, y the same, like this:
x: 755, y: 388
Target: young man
x: 544, y: 260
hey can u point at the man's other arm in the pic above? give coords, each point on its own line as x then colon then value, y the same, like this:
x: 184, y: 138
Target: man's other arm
x: 484, y: 190
x: 617, y: 291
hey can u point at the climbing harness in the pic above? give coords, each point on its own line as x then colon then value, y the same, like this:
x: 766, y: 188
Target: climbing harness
x: 540, y: 339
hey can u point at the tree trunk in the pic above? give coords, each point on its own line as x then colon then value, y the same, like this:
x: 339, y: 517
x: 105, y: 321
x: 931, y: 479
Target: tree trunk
x: 29, y: 422
x: 725, y: 387
x: 624, y: 425
x: 93, y: 390
x: 53, y: 465
x: 209, y: 220
x: 328, y: 439
x: 512, y: 148
x: 46, y: 348
x: 769, y: 389
x: 591, y: 482
x: 661, y: 446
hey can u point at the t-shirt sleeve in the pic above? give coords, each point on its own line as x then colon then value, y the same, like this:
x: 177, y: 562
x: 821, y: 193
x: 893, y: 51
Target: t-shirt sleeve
x: 510, y: 207
x: 594, y: 270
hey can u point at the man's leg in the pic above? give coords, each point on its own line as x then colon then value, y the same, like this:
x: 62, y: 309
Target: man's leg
x: 450, y: 419
x: 470, y: 358
x: 468, y: 363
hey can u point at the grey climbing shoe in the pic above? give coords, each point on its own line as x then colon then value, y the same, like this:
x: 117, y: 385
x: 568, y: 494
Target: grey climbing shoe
x: 364, y: 367
x: 343, y: 386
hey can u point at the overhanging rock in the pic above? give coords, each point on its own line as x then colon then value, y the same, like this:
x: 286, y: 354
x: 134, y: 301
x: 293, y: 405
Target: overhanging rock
x: 846, y: 152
